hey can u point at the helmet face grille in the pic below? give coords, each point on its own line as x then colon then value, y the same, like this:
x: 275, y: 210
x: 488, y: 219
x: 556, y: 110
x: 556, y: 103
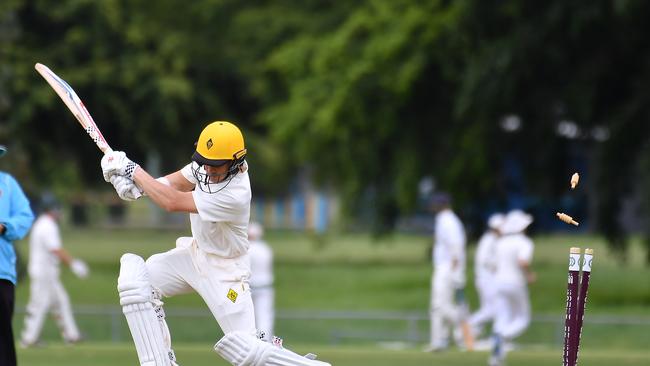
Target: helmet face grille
x: 204, y: 179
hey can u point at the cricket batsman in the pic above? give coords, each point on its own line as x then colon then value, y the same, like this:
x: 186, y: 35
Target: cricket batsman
x: 214, y: 188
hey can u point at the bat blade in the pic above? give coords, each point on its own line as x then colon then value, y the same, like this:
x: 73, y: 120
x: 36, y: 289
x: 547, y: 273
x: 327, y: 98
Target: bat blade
x: 78, y: 109
x: 75, y: 105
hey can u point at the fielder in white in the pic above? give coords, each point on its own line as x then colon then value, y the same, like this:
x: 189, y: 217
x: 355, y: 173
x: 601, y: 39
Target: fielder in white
x: 514, y: 254
x: 448, y: 278
x: 484, y: 271
x: 261, y: 280
x: 46, y: 292
x: 215, y: 190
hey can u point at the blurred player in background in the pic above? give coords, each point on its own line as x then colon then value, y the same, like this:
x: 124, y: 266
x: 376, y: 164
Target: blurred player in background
x: 484, y: 271
x: 261, y: 279
x: 215, y: 190
x: 16, y: 218
x: 514, y: 254
x: 46, y: 292
x: 448, y: 280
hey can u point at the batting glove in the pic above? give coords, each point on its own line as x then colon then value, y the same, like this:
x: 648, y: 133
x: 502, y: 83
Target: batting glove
x: 116, y: 163
x: 79, y: 268
x: 125, y: 188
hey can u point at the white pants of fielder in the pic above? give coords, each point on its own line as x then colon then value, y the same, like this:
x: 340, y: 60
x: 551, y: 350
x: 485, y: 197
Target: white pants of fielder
x: 48, y: 294
x: 512, y: 310
x: 445, y: 313
x: 487, y: 293
x: 263, y: 300
x: 223, y: 285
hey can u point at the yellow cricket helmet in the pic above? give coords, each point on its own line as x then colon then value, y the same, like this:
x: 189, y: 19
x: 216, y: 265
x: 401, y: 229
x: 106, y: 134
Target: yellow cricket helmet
x: 220, y: 142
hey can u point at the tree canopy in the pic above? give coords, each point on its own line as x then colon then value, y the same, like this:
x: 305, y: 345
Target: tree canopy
x: 368, y: 96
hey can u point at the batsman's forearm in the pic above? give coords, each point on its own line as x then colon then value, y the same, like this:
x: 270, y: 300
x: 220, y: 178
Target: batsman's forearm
x: 158, y: 192
x: 163, y: 195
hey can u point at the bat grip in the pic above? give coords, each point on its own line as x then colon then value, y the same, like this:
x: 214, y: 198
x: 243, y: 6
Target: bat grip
x: 136, y: 192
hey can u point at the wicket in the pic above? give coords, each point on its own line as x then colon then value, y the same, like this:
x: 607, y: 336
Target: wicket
x: 576, y: 299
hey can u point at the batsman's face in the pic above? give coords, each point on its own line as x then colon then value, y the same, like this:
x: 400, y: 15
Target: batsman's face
x: 216, y: 174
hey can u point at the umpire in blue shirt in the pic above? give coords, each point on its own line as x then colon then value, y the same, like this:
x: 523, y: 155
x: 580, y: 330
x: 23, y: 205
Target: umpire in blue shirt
x: 16, y: 218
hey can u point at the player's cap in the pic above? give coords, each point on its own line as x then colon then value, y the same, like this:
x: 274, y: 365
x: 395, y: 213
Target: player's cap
x: 49, y: 202
x: 3, y: 150
x: 516, y: 221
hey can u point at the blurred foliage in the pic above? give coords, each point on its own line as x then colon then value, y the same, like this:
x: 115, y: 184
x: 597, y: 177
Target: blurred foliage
x: 367, y: 96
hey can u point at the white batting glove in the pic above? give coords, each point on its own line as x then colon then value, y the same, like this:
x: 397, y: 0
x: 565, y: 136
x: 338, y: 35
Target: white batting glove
x: 116, y: 163
x: 125, y: 188
x: 79, y: 268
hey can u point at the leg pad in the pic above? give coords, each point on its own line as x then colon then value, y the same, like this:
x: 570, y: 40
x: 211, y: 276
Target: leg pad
x: 244, y: 349
x: 144, y: 313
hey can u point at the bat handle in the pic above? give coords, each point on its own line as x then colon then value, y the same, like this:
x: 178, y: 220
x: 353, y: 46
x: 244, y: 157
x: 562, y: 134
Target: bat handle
x: 136, y: 192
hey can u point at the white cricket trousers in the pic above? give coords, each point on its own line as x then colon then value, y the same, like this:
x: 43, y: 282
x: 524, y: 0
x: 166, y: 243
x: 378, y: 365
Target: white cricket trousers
x: 487, y: 293
x: 48, y: 294
x: 263, y: 300
x: 444, y: 311
x: 512, y: 310
x: 221, y: 282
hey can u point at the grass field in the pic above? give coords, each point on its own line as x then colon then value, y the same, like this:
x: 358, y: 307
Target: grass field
x: 393, y: 274
x: 102, y: 354
x: 353, y: 273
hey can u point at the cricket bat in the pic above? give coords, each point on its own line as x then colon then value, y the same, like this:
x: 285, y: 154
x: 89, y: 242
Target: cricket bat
x: 78, y: 109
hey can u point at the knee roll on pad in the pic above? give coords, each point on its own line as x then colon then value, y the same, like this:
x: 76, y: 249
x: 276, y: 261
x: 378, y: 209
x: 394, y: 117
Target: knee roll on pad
x: 133, y: 283
x: 244, y: 349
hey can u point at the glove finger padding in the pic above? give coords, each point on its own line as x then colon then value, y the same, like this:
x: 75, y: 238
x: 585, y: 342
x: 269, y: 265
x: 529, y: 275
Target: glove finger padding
x: 110, y: 163
x: 116, y: 163
x: 125, y: 188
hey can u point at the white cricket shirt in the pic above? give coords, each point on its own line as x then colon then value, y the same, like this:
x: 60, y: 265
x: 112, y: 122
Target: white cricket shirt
x: 510, y: 249
x: 261, y: 257
x: 44, y: 238
x: 484, y: 259
x: 221, y: 225
x: 449, y: 236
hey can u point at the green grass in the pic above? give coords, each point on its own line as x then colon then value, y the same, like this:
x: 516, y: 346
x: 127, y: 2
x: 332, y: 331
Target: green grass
x: 352, y: 272
x: 102, y: 354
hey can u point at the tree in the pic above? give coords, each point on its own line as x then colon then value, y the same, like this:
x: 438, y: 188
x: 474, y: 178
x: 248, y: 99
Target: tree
x: 371, y: 96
